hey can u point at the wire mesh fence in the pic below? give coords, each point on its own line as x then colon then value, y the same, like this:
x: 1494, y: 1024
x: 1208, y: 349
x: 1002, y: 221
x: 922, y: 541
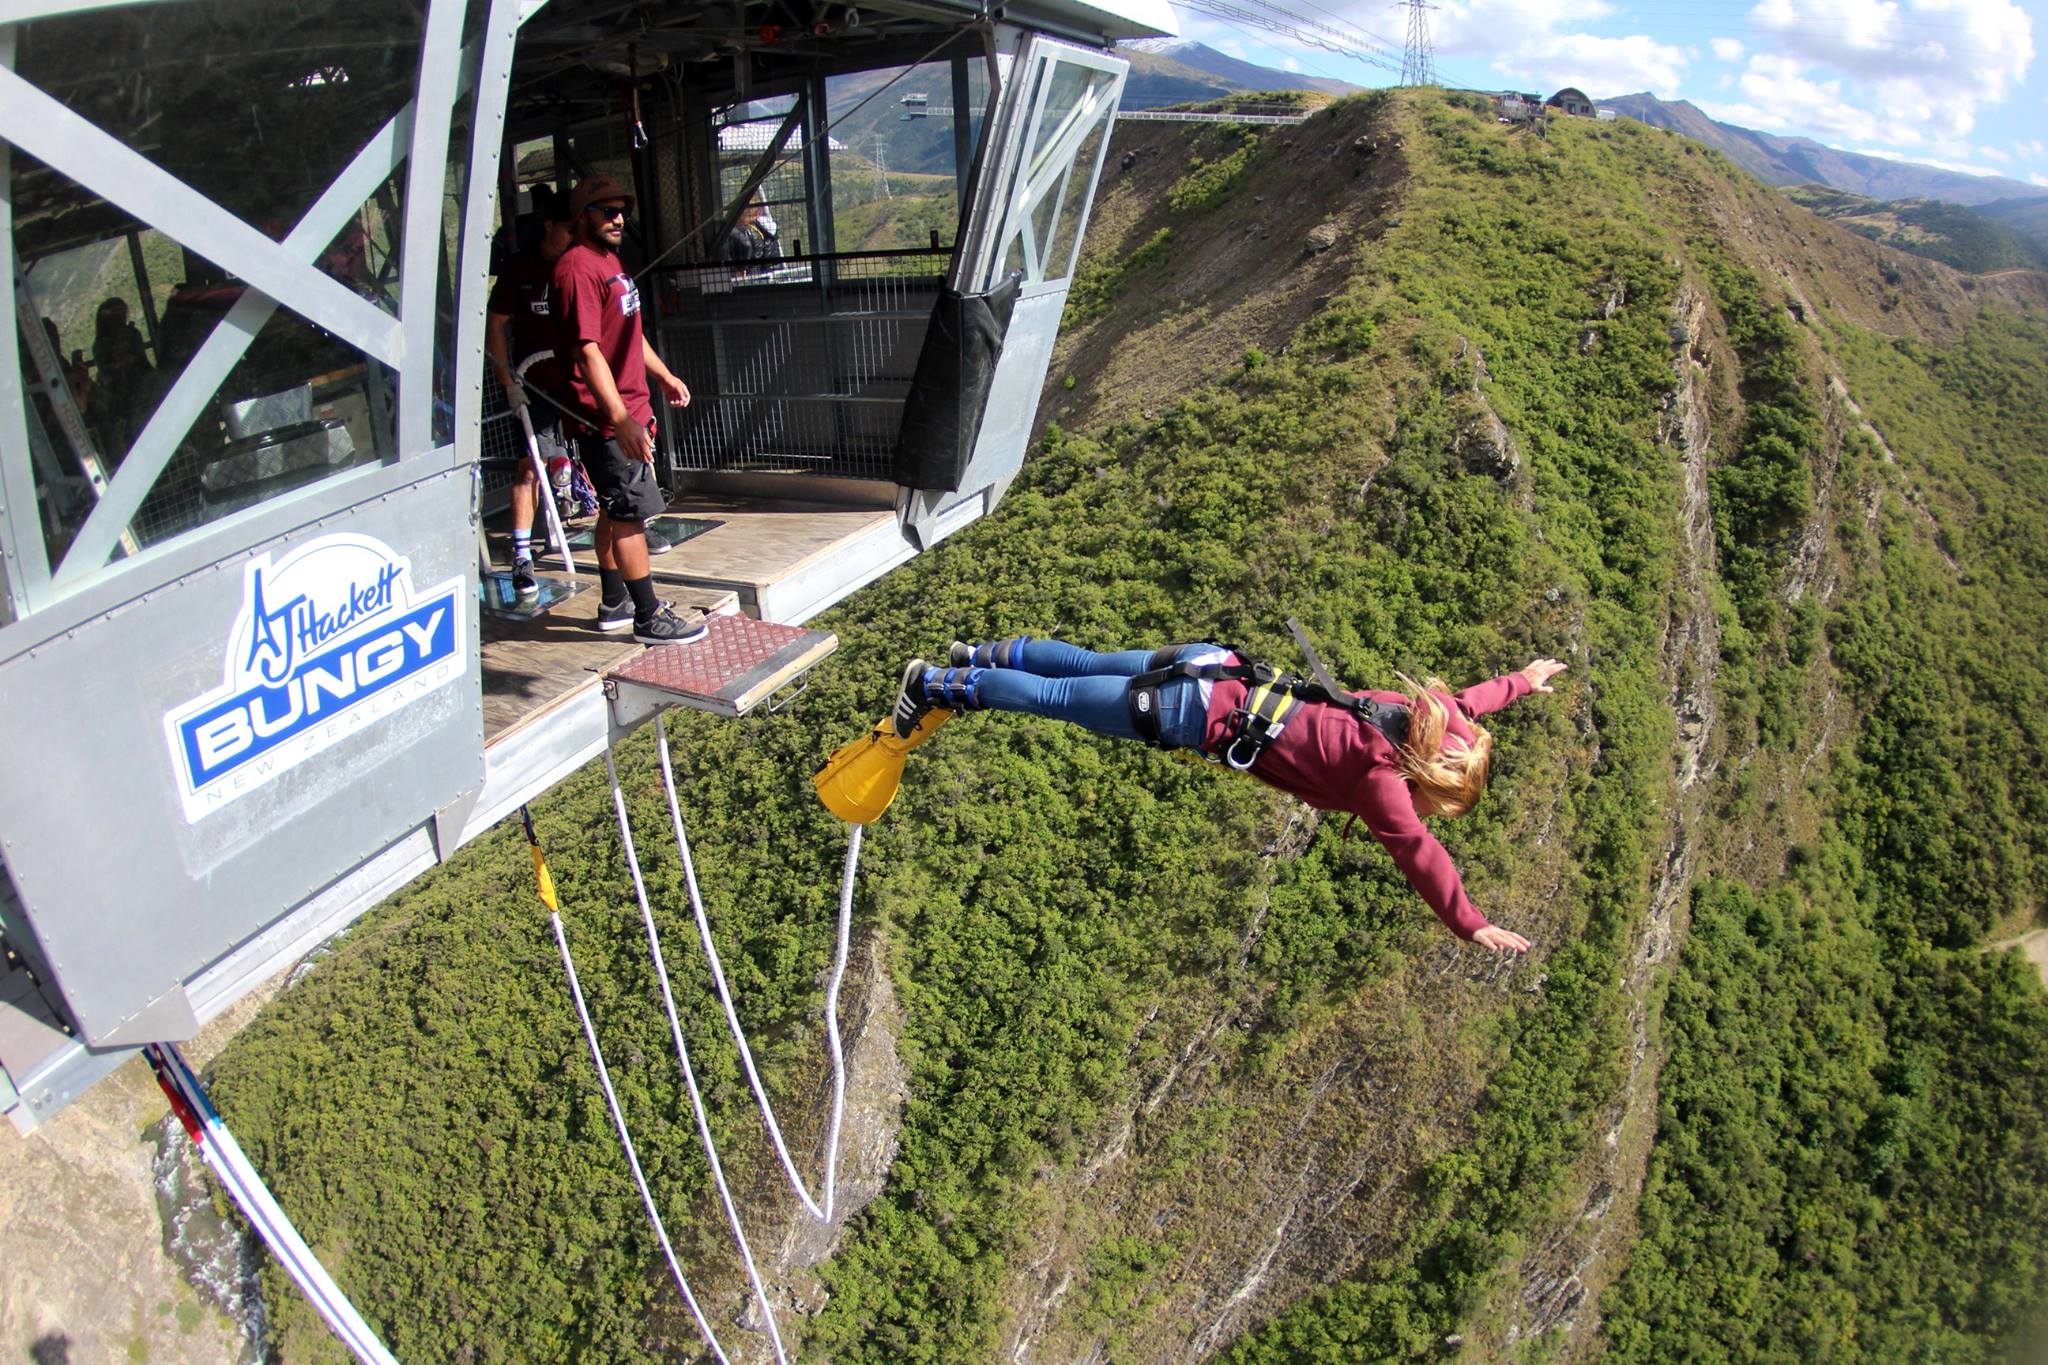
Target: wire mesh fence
x: 797, y: 365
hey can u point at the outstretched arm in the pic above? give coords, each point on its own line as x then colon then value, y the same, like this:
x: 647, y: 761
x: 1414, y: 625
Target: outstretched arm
x: 1388, y: 811
x: 1495, y: 693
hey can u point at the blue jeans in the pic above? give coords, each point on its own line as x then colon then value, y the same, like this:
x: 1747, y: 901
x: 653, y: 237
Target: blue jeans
x: 1065, y: 682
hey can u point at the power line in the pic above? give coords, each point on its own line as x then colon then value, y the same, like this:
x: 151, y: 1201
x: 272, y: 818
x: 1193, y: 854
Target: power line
x: 1313, y: 68
x: 1356, y: 44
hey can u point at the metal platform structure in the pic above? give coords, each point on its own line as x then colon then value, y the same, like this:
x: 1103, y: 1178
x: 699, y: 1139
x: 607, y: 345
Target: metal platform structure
x: 247, y: 441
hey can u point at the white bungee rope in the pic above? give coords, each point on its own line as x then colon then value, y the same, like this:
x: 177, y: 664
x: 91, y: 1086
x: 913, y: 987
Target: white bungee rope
x: 817, y: 1209
x: 611, y: 1099
x: 675, y: 1025
x: 820, y: 1210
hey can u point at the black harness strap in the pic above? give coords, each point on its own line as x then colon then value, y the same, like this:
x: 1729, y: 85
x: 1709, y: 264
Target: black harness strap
x: 1273, y: 699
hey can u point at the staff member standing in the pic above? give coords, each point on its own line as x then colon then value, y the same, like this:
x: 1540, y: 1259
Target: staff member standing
x: 520, y: 325
x: 598, y: 336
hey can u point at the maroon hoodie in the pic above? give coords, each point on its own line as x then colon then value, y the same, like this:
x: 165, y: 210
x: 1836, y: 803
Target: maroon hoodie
x: 1337, y: 761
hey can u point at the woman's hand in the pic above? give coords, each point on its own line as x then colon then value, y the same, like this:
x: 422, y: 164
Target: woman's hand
x: 1498, y: 939
x: 1539, y: 672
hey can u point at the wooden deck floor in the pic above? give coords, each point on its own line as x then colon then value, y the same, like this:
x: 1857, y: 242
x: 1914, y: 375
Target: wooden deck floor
x: 532, y: 665
x: 761, y: 541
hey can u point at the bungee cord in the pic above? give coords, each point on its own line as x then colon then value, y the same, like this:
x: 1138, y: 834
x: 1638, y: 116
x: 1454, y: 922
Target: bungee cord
x: 611, y: 1099
x: 668, y: 1001
x: 818, y: 1209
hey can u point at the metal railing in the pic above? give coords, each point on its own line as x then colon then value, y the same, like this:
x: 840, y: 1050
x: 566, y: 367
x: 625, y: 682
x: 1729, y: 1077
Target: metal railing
x: 796, y: 365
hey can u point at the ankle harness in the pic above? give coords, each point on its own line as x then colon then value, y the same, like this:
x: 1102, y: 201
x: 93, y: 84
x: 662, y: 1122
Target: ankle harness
x: 1274, y: 699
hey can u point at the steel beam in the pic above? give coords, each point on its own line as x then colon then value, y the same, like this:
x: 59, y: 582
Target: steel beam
x: 426, y: 179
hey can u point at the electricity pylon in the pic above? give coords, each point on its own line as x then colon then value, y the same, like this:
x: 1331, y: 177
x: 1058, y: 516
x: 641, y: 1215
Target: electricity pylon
x: 1418, y: 60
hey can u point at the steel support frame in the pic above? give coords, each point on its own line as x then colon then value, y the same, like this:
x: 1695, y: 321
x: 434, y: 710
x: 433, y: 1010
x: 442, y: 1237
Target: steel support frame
x: 977, y: 253
x: 24, y: 562
x: 203, y: 226
x: 102, y: 163
x: 493, y: 84
x: 1029, y: 193
x: 224, y: 347
x: 419, y: 275
x: 84, y: 593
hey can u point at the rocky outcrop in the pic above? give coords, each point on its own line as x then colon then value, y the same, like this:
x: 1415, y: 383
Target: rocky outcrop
x: 1559, y: 1283
x: 1481, y: 440
x: 876, y: 1082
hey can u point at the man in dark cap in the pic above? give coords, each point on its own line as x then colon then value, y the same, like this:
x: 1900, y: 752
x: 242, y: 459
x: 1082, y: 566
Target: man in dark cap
x: 596, y: 307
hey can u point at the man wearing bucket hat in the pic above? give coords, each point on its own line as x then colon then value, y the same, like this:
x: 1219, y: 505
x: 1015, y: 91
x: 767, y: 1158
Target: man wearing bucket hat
x: 598, y: 336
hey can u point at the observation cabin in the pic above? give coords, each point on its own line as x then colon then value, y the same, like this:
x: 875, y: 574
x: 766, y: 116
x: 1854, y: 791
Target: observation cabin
x: 261, y: 663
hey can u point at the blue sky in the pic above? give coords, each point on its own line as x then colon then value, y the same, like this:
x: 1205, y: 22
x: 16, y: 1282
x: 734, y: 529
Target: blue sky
x: 1952, y: 83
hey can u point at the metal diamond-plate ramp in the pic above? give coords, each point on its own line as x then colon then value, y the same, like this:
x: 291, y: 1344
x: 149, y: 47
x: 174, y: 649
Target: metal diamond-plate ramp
x: 739, y: 663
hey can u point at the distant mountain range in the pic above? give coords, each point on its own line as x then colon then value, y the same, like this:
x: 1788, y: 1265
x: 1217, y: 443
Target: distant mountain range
x: 1184, y: 73
x: 1187, y: 72
x: 1802, y: 161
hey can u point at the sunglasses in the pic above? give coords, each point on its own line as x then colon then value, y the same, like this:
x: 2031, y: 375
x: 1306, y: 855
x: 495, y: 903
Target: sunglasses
x: 607, y: 212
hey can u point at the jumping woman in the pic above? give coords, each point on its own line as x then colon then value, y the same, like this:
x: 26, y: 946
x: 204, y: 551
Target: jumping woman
x: 1389, y: 758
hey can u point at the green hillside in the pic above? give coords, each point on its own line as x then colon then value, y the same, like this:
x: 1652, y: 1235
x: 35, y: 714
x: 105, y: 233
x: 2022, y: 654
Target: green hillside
x: 1184, y: 1071
x: 1967, y: 239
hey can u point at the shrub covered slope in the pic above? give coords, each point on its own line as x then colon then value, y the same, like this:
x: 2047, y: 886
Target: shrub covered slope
x: 1189, y: 1074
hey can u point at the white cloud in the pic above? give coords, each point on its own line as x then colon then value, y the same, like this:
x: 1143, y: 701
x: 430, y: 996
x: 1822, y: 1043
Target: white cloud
x: 1993, y: 154
x: 1780, y: 94
x: 1535, y: 45
x: 1927, y: 64
x: 1727, y: 49
x: 2030, y: 149
x: 2036, y: 178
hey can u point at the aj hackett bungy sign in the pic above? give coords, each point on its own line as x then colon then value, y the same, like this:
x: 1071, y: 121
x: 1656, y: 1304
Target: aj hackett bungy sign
x: 330, y: 639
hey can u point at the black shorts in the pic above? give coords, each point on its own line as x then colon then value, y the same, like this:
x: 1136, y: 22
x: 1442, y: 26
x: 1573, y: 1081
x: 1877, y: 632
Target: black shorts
x: 626, y: 488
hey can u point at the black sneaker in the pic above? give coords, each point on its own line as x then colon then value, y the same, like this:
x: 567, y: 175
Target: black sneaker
x: 613, y: 617
x: 523, y: 581
x: 911, y: 707
x: 670, y: 628
x: 960, y: 654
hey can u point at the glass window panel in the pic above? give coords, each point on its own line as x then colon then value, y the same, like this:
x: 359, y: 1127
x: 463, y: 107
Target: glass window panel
x: 1064, y: 90
x: 298, y: 407
x: 1069, y: 93
x: 1041, y: 230
x: 1059, y: 256
x: 895, y: 169
x: 744, y: 133
x: 452, y: 268
x: 254, y: 105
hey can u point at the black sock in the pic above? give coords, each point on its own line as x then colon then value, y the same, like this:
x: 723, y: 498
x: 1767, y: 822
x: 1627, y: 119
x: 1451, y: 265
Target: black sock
x: 611, y: 587
x: 645, y: 603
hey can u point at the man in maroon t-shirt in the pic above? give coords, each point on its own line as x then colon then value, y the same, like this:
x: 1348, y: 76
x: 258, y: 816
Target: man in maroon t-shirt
x: 519, y: 328
x: 596, y: 307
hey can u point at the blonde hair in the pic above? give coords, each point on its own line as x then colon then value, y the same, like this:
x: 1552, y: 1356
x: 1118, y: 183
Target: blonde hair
x: 1442, y: 781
